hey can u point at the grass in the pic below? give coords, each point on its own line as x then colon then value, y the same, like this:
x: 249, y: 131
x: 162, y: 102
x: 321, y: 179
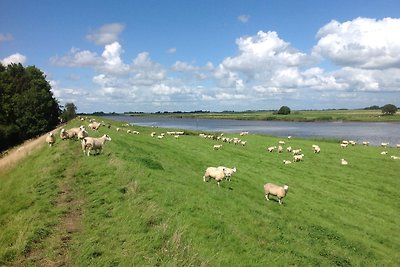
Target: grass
x: 300, y: 115
x: 143, y: 202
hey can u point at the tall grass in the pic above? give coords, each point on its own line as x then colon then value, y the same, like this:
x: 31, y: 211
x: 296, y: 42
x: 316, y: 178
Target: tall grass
x: 143, y: 202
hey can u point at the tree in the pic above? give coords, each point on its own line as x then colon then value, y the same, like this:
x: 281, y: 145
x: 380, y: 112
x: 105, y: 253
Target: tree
x: 284, y: 110
x: 389, y: 109
x: 69, y: 112
x: 27, y: 105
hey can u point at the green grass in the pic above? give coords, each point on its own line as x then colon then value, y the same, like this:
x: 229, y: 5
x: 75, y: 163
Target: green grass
x: 300, y: 115
x: 143, y: 202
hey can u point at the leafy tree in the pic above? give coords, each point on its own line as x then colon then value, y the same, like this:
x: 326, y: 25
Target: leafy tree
x: 27, y: 105
x: 69, y: 112
x: 284, y: 110
x: 389, y: 109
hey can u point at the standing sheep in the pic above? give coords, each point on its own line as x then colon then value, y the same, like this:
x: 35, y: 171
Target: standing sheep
x: 228, y: 171
x: 96, y: 144
x: 50, y: 139
x: 275, y: 190
x: 214, y: 173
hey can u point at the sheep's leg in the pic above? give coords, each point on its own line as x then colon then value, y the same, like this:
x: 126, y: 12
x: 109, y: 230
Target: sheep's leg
x: 266, y: 196
x: 280, y: 202
x: 204, y: 178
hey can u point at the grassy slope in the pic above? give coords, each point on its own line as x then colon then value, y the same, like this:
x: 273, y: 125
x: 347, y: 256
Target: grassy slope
x: 143, y: 202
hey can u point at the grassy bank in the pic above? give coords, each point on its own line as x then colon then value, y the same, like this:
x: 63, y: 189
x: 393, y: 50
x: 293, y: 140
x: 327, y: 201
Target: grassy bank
x: 143, y: 202
x: 301, y: 115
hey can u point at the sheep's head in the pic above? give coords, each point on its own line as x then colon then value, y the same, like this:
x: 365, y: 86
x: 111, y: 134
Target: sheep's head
x: 286, y: 188
x: 108, y: 138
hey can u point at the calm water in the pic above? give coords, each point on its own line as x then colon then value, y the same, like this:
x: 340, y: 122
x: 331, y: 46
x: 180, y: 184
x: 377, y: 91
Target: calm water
x: 374, y: 132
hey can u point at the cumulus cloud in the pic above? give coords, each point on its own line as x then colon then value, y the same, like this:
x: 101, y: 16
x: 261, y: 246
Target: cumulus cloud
x: 14, y: 58
x: 6, y: 37
x: 243, y: 18
x: 363, y: 43
x: 112, y: 58
x: 106, y: 34
x: 77, y: 58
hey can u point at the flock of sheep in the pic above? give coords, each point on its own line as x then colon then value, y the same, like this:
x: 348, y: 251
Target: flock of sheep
x: 219, y: 173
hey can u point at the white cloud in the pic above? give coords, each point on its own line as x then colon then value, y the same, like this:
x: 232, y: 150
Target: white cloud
x: 77, y: 58
x: 171, y: 50
x: 183, y: 67
x: 6, y: 37
x: 243, y: 18
x: 112, y: 58
x: 106, y: 34
x: 14, y: 58
x: 363, y: 43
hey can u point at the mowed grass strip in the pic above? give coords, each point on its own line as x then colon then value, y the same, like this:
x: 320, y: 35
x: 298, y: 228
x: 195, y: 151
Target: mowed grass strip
x: 143, y: 202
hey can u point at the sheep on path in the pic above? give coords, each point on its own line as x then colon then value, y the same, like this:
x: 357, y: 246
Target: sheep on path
x: 96, y: 144
x: 50, y: 139
x: 214, y: 173
x: 275, y: 190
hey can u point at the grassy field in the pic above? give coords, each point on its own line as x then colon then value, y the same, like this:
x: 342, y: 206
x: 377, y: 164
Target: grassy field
x: 301, y: 115
x: 143, y: 202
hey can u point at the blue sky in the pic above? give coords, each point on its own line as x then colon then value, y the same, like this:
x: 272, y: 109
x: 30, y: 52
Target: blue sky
x: 208, y: 55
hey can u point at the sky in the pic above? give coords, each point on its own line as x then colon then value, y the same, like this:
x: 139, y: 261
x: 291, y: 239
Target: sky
x: 187, y: 55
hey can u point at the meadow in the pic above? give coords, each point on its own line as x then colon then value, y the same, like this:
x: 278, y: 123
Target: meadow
x: 143, y: 202
x: 295, y: 115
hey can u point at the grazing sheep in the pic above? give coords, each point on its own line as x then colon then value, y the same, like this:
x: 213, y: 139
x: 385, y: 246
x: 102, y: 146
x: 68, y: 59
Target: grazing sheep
x: 397, y: 145
x: 275, y: 190
x: 365, y: 143
x: 316, y: 149
x: 343, y: 162
x: 244, y: 133
x: 289, y: 149
x: 286, y: 161
x: 96, y: 144
x: 50, y: 139
x: 343, y: 145
x: 353, y: 143
x: 243, y: 143
x: 153, y: 134
x: 384, y: 152
x: 289, y: 137
x: 384, y: 144
x: 281, y: 142
x: 271, y: 148
x: 394, y: 157
x: 214, y: 173
x: 297, y: 158
x: 228, y: 171
x: 280, y: 149
x: 296, y: 151
x: 63, y: 134
x: 217, y: 147
x: 94, y: 125
x: 118, y: 129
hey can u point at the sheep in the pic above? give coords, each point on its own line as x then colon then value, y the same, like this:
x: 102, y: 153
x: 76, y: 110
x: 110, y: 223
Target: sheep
x: 384, y: 144
x: 316, y: 149
x: 353, y: 143
x: 153, y: 134
x: 296, y: 151
x: 289, y: 149
x: 394, y: 157
x: 96, y: 144
x: 397, y: 145
x: 94, y: 125
x: 82, y: 134
x: 297, y: 158
x: 63, y: 134
x: 50, y: 139
x: 243, y: 143
x: 286, y: 162
x: 217, y: 147
x: 280, y: 149
x: 281, y: 142
x: 343, y: 162
x: 275, y: 190
x: 384, y: 152
x: 289, y: 137
x: 244, y: 133
x: 365, y: 143
x: 73, y: 132
x: 271, y: 148
x: 214, y: 173
x: 118, y: 129
x: 228, y: 171
x: 343, y: 145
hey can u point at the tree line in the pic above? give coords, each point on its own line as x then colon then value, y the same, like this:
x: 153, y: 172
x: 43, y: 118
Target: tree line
x: 27, y: 105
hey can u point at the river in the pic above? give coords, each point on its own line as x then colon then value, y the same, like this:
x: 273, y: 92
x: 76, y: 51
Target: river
x: 374, y: 132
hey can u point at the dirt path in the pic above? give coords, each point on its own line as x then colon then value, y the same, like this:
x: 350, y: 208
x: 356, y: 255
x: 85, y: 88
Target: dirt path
x: 19, y: 152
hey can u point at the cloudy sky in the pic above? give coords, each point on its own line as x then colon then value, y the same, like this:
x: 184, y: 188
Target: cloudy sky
x: 212, y: 55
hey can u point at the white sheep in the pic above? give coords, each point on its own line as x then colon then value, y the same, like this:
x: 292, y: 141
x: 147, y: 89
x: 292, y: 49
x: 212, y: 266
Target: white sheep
x: 82, y: 134
x: 384, y: 152
x: 343, y: 145
x: 286, y: 161
x: 289, y: 149
x: 365, y: 143
x: 96, y: 144
x: 271, y: 148
x: 217, y: 147
x: 94, y: 125
x: 275, y: 190
x: 384, y: 144
x: 394, y: 157
x: 296, y: 151
x: 316, y: 149
x: 228, y: 171
x: 297, y: 158
x: 397, y: 145
x: 343, y: 162
x: 214, y: 173
x: 280, y: 149
x: 50, y: 139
